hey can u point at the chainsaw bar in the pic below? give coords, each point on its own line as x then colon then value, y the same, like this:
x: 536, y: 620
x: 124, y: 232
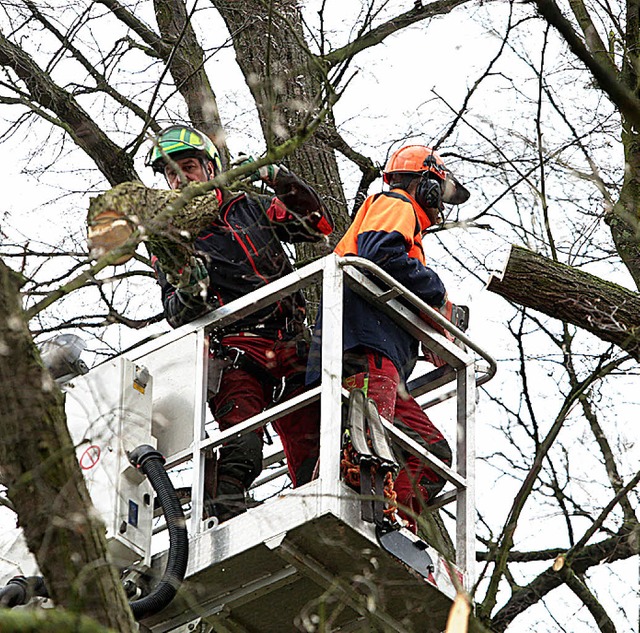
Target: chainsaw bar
x: 408, y: 548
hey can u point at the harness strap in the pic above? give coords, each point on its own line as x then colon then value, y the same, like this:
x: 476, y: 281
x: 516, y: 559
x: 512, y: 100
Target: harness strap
x: 229, y: 357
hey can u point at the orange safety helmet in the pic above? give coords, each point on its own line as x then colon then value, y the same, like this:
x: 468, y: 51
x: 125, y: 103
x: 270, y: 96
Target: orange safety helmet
x: 420, y: 159
x: 414, y: 159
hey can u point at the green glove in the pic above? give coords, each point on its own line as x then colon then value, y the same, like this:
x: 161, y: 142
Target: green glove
x: 192, y: 279
x: 267, y: 173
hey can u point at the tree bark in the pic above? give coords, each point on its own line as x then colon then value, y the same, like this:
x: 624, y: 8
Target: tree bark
x: 168, y: 220
x: 624, y: 218
x: 286, y: 81
x: 605, y: 309
x: 47, y: 621
x: 186, y: 65
x: 43, y: 478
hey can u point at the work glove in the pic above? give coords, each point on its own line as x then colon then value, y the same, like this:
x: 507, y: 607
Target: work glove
x: 266, y: 173
x: 446, y: 309
x: 458, y: 315
x: 191, y: 280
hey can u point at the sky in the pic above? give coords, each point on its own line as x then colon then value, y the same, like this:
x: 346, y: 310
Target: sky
x: 390, y: 98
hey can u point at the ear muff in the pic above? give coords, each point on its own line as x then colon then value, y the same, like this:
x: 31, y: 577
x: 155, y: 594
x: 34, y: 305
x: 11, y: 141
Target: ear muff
x: 429, y: 192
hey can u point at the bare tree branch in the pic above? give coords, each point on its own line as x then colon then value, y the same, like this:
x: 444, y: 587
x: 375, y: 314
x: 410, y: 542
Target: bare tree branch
x: 603, y: 308
x: 115, y: 165
x: 625, y: 99
x: 377, y: 35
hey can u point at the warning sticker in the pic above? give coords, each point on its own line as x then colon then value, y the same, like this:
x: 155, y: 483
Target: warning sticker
x: 90, y: 457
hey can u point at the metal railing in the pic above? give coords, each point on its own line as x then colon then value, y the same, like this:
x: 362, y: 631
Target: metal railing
x: 188, y: 347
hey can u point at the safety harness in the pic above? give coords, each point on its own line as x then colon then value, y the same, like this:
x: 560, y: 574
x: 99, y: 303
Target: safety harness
x: 226, y: 357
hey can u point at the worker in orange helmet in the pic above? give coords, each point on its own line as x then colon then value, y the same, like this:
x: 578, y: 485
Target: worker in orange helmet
x: 378, y: 354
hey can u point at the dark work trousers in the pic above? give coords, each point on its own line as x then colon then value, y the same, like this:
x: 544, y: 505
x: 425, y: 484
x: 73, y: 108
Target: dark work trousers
x: 246, y: 391
x: 416, y: 483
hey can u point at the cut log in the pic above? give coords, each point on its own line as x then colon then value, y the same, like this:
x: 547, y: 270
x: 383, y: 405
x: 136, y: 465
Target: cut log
x: 605, y: 309
x: 168, y: 221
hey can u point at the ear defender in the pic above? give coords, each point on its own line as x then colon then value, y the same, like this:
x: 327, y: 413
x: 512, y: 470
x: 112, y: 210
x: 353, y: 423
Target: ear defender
x: 429, y: 192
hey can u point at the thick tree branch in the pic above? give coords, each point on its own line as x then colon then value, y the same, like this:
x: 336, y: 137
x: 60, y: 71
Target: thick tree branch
x: 591, y: 36
x: 186, y: 65
x: 115, y: 164
x: 524, y: 557
x: 580, y: 589
x: 605, y: 309
x: 380, y: 33
x: 43, y: 478
x: 618, y: 547
x: 146, y: 34
x: 49, y: 620
x: 624, y: 98
x: 288, y: 83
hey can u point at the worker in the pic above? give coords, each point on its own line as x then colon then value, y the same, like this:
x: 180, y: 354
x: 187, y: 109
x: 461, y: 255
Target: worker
x: 263, y: 355
x: 378, y: 354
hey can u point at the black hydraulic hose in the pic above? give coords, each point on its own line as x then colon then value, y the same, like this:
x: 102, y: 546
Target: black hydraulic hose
x: 151, y: 463
x: 20, y: 589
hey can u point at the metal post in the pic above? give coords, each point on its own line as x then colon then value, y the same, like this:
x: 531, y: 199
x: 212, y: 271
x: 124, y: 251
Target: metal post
x: 200, y: 402
x: 331, y: 396
x: 466, y: 455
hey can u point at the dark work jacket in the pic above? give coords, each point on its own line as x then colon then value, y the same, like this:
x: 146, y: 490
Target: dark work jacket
x: 387, y: 230
x: 242, y: 251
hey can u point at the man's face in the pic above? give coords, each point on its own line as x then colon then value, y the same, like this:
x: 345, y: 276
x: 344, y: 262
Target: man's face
x: 191, y: 169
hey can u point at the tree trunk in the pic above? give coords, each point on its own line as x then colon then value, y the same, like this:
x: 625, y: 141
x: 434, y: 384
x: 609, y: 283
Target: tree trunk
x: 624, y: 219
x: 186, y: 65
x: 605, y: 309
x: 44, y: 481
x: 286, y: 81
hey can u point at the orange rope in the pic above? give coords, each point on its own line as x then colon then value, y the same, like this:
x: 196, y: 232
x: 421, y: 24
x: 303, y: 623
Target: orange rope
x: 350, y: 472
x: 390, y: 496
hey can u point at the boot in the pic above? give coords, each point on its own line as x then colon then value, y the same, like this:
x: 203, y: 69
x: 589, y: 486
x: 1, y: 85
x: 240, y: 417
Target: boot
x: 229, y: 499
x: 228, y: 478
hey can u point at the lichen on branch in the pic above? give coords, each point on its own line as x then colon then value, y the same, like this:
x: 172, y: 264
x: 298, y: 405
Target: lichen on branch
x: 167, y: 220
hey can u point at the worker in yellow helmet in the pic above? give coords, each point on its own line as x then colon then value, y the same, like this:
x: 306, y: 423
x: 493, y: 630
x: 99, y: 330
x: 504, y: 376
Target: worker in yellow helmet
x: 264, y: 354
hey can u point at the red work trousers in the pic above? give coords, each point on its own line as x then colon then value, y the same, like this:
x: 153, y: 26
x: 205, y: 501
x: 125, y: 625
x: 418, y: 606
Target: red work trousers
x: 248, y: 389
x: 416, y: 483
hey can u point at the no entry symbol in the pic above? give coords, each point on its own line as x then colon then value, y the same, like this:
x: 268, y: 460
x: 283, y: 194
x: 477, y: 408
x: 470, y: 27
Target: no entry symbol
x: 90, y: 457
